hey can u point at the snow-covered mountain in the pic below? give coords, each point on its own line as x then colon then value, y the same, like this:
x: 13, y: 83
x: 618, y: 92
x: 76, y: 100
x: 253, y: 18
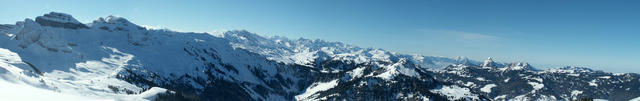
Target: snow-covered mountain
x: 112, y: 58
x: 520, y: 81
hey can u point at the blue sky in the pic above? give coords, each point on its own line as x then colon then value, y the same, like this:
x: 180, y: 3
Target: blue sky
x: 603, y: 35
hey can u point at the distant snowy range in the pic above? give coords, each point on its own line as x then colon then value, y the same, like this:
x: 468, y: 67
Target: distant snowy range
x: 56, y: 57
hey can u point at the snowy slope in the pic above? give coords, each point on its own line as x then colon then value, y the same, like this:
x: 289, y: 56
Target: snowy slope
x: 20, y: 83
x: 21, y: 92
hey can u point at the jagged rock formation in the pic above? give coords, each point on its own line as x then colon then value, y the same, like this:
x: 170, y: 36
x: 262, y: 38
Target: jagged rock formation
x: 61, y: 20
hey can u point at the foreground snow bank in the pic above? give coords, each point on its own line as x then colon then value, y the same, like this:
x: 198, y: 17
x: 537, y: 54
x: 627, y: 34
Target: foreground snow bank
x: 16, y: 85
x: 635, y: 99
x: 22, y: 92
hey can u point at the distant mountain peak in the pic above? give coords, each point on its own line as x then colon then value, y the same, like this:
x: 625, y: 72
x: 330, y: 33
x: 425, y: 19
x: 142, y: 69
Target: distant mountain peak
x: 114, y: 23
x: 488, y: 63
x: 464, y: 60
x: 519, y: 66
x: 117, y: 20
x: 523, y: 64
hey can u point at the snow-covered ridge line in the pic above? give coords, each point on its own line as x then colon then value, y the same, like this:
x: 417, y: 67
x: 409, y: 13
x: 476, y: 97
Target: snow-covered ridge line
x: 305, y: 51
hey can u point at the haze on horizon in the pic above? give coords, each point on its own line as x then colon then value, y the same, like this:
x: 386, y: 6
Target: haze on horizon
x: 595, y: 34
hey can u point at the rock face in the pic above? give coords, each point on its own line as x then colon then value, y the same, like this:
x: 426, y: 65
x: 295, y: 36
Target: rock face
x: 61, y: 20
x: 114, y: 58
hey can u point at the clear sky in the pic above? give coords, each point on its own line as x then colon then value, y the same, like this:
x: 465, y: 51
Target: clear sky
x: 604, y: 35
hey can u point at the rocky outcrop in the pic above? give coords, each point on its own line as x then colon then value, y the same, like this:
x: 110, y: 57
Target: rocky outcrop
x: 60, y: 20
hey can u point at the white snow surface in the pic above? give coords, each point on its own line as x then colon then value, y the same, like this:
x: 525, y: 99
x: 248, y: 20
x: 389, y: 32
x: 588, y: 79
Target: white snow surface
x: 480, y: 79
x: 536, y: 86
x: 635, y: 99
x: 397, y: 69
x: 470, y: 84
x: 455, y: 93
x: 520, y: 98
x: 605, y: 77
x: 23, y: 92
x: 576, y: 75
x: 593, y: 83
x: 310, y: 92
x: 568, y: 70
x: 501, y: 97
x: 18, y: 84
x: 487, y: 88
x: 357, y: 72
x: 575, y: 93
